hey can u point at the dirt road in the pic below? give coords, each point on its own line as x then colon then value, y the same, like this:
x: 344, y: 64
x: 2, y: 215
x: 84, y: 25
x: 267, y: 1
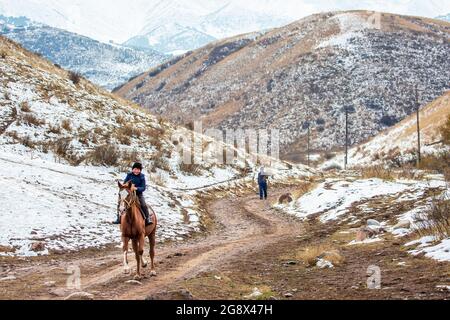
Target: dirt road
x: 239, y: 226
x: 247, y: 245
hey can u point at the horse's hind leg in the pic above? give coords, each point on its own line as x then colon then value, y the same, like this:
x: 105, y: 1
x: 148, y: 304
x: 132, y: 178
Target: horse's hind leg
x: 126, y: 268
x: 152, y: 240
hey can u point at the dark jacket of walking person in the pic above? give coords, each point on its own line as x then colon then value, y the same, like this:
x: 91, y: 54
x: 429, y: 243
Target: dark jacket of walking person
x: 263, y: 185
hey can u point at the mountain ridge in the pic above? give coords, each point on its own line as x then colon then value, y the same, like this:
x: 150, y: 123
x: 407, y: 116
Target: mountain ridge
x: 308, y: 69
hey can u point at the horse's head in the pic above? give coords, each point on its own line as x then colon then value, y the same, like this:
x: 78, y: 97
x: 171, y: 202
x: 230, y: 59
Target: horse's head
x: 126, y: 193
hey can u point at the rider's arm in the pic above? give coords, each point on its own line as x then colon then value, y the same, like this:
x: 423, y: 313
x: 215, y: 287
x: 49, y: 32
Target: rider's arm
x: 143, y: 187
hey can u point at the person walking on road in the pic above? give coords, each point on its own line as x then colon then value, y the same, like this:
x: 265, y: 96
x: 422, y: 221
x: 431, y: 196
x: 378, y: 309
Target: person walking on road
x: 263, y: 184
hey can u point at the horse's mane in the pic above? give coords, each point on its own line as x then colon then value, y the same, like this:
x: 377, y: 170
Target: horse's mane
x: 134, y: 200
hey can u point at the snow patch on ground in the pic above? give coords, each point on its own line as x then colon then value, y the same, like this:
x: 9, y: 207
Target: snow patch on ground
x: 427, y: 246
x: 332, y: 198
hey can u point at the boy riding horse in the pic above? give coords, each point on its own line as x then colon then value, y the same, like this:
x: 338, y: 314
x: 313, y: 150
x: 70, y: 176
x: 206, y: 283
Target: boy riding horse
x: 138, y: 179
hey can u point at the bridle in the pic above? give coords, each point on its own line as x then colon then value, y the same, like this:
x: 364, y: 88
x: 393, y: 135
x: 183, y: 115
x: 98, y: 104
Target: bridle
x: 128, y: 203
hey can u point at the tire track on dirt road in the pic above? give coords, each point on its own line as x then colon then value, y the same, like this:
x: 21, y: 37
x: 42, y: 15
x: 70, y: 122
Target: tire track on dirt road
x: 241, y: 225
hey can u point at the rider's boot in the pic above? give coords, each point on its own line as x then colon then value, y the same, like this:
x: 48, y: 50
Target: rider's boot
x: 117, y: 220
x: 148, y: 220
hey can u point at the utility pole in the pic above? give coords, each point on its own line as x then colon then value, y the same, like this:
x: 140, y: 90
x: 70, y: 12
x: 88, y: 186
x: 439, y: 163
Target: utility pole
x: 419, y: 155
x: 346, y: 137
x: 309, y: 144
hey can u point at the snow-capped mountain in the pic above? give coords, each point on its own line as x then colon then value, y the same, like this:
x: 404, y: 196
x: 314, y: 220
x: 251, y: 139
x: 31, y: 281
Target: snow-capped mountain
x: 444, y: 17
x: 171, y: 38
x: 181, y: 25
x: 104, y: 64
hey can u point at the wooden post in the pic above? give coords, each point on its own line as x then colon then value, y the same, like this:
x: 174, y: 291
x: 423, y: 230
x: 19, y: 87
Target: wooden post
x: 309, y: 144
x: 419, y: 155
x: 346, y: 137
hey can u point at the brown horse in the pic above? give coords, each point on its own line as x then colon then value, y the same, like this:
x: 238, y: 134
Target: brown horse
x: 133, y: 228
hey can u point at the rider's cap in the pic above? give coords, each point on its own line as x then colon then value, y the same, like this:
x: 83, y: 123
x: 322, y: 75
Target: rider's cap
x: 137, y: 165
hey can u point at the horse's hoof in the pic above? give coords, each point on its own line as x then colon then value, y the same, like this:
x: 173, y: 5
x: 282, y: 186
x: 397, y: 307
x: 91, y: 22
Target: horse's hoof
x: 153, y: 273
x: 126, y: 271
x: 145, y: 265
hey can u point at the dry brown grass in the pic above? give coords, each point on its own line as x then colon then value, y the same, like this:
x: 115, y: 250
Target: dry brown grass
x: 445, y: 131
x: 190, y: 169
x: 32, y: 120
x: 436, y: 221
x: 120, y: 120
x: 75, y: 77
x: 129, y: 131
x: 25, y: 107
x: 311, y: 254
x: 55, y: 129
x: 105, y: 155
x: 379, y: 172
x: 61, y: 147
x: 437, y: 162
x: 160, y: 162
x: 66, y: 125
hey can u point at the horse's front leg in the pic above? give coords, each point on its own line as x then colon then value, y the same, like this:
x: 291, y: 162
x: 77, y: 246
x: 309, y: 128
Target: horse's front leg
x: 152, y: 240
x: 126, y: 267
x: 138, y: 254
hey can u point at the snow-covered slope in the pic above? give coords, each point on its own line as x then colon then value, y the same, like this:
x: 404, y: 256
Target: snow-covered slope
x: 400, y: 208
x: 104, y: 64
x: 64, y: 142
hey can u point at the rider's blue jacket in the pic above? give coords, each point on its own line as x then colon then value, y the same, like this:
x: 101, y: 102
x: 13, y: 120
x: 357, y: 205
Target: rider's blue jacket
x: 138, y: 181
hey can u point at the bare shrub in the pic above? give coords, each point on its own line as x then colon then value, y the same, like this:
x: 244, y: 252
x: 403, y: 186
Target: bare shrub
x: 445, y: 132
x: 27, y: 142
x: 447, y: 175
x: 55, y: 129
x: 125, y: 140
x: 130, y: 131
x: 190, y: 169
x: 66, y: 125
x: 333, y: 167
x: 32, y: 120
x: 61, y: 147
x: 329, y: 155
x: 25, y: 107
x: 105, y: 155
x: 379, y: 172
x: 120, y: 120
x: 310, y: 255
x: 436, y: 221
x: 129, y: 157
x: 75, y: 77
x: 436, y: 162
x: 160, y: 162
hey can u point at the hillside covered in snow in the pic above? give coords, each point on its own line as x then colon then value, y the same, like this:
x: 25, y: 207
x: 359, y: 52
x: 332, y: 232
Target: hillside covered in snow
x: 107, y: 65
x: 397, y: 146
x: 306, y: 74
x: 63, y: 144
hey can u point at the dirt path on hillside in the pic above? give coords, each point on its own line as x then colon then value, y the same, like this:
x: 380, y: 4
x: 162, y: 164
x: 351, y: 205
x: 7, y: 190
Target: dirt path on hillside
x: 240, y: 226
